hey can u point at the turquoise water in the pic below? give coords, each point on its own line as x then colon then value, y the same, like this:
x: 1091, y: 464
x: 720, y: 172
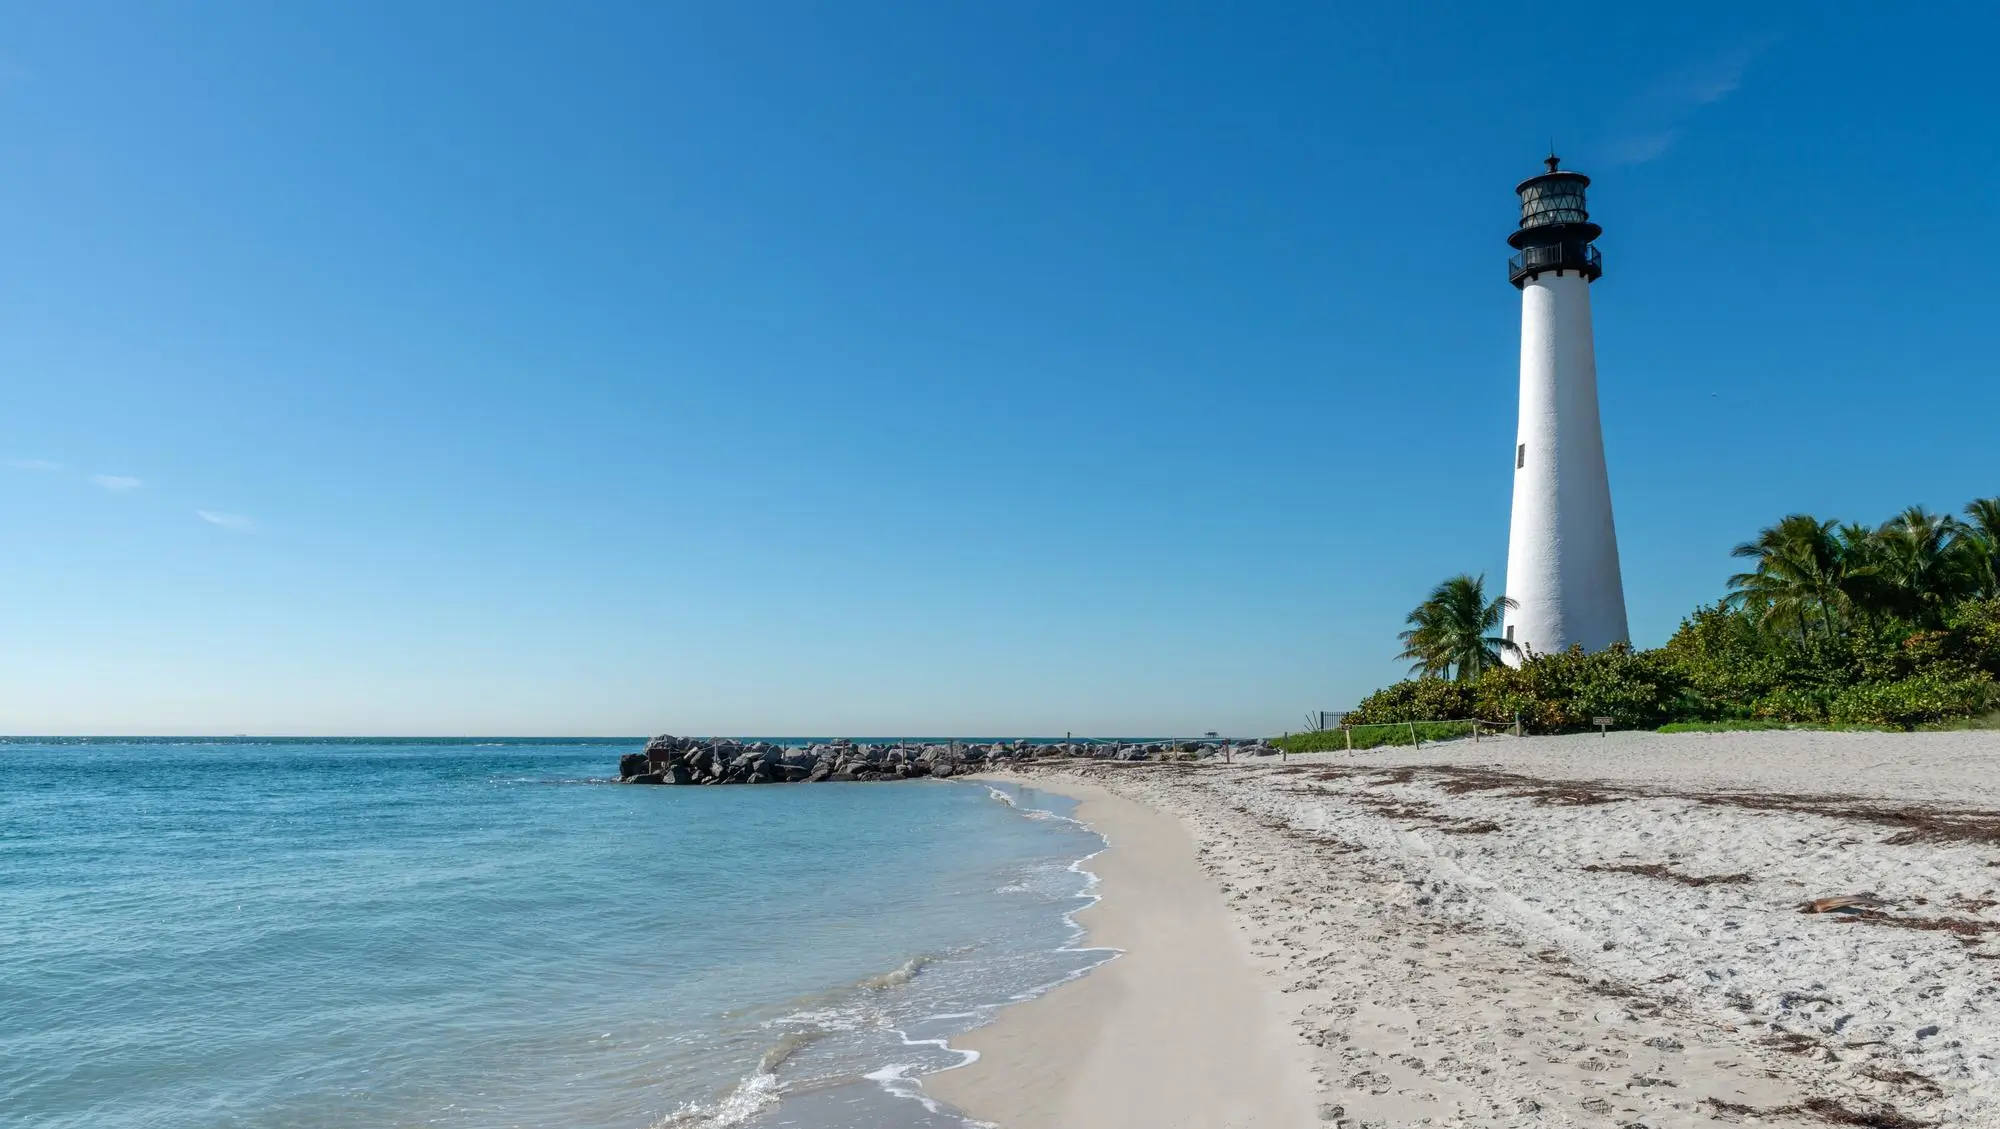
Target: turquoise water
x: 353, y: 934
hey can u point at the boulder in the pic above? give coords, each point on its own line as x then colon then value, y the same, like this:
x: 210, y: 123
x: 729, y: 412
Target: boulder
x: 631, y: 764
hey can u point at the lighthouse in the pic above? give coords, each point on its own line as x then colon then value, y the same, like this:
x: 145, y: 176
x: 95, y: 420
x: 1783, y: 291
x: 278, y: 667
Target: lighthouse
x: 1562, y: 548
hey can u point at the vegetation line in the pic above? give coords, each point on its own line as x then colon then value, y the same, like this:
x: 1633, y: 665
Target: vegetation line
x: 1834, y: 625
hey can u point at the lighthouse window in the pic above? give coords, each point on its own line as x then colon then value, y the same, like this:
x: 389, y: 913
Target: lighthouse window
x: 1520, y: 456
x: 1552, y: 201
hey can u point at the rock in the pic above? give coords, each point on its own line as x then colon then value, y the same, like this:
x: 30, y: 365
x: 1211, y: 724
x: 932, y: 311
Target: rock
x: 705, y: 761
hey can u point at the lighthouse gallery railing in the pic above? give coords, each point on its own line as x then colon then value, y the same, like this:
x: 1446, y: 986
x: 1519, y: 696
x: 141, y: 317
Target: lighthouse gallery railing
x: 1555, y: 256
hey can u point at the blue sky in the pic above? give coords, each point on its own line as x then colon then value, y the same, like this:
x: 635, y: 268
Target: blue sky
x: 920, y: 368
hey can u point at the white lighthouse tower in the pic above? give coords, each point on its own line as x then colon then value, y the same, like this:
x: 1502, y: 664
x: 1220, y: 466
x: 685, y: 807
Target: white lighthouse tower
x: 1562, y: 549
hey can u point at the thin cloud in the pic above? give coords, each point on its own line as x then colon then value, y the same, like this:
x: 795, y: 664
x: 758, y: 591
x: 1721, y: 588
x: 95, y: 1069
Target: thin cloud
x: 40, y: 466
x: 227, y: 521
x: 1676, y: 98
x: 1639, y: 148
x: 116, y: 483
x: 1715, y: 78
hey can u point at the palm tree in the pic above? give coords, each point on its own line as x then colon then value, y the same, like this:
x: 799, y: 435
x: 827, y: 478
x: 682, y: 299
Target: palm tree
x: 1982, y: 536
x: 1924, y: 564
x: 1862, y: 587
x: 1451, y: 631
x: 1798, y: 577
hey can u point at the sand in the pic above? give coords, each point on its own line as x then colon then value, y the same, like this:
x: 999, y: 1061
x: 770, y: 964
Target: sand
x: 1556, y: 931
x: 1181, y: 1030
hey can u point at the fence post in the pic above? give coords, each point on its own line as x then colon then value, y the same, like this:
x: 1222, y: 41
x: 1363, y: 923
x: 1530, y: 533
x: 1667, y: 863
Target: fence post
x: 1517, y: 723
x: 1350, y: 737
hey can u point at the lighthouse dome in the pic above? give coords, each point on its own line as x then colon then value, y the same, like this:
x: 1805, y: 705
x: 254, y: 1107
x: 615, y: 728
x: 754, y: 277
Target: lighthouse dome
x: 1555, y: 231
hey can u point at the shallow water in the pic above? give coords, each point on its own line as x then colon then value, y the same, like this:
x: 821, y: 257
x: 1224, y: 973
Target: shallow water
x: 297, y: 934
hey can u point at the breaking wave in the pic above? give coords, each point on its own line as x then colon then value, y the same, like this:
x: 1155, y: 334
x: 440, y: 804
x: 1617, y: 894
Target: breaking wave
x: 745, y: 1100
x: 901, y: 974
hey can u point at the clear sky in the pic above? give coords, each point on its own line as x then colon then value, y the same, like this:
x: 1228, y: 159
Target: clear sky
x: 922, y: 367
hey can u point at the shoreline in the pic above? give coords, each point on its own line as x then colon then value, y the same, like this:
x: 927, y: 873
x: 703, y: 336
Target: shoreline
x: 1561, y: 930
x: 1180, y: 1028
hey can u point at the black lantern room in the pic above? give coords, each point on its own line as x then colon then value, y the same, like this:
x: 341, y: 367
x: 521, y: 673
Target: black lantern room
x: 1555, y: 232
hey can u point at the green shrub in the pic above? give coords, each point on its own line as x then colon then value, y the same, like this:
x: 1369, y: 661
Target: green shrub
x: 1416, y: 699
x: 1973, y: 635
x: 1794, y: 704
x: 1896, y: 624
x: 1720, y: 666
x: 1724, y: 660
x: 1371, y: 736
x: 1564, y: 692
x: 1909, y: 702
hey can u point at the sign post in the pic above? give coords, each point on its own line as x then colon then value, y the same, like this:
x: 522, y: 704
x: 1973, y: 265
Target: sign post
x: 1603, y: 725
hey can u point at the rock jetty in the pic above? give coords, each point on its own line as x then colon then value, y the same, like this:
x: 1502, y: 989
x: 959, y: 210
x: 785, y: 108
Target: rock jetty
x: 706, y: 760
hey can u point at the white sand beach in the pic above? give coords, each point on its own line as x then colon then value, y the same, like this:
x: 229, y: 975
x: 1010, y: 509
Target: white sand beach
x: 1573, y: 931
x: 1179, y: 1031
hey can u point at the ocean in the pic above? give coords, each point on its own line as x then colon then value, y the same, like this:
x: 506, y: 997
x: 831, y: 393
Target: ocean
x: 407, y: 933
